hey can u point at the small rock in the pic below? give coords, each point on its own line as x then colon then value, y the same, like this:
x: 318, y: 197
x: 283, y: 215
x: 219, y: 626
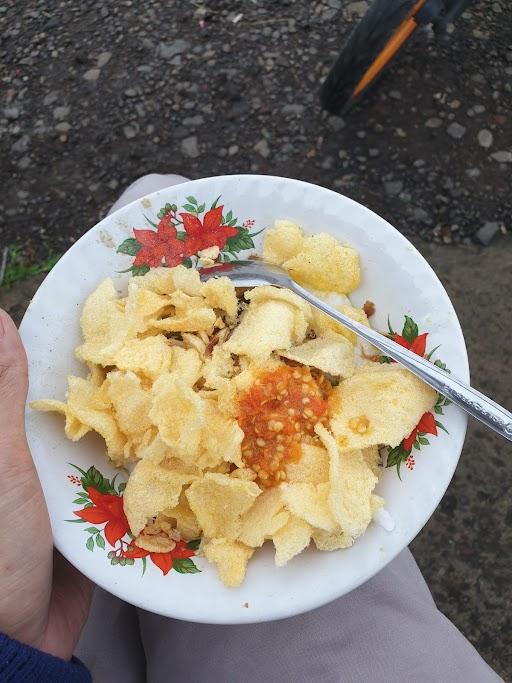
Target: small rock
x: 479, y: 108
x: 433, y: 123
x: 262, y: 148
x: 473, y: 172
x: 170, y: 50
x: 25, y: 162
x: 419, y: 163
x: 336, y: 123
x: 485, y: 138
x: 373, y: 152
x: 293, y: 109
x: 63, y: 127
x: 232, y: 150
x: 92, y: 75
x: 11, y: 113
x: 130, y: 92
x: 129, y: 132
x: 358, y: 8
x: 61, y: 113
x: 193, y: 121
x: 421, y: 215
x: 103, y: 58
x: 395, y: 94
x: 393, y: 187
x: 328, y: 14
x: 487, y: 232
x: 503, y: 157
x: 50, y: 98
x: 456, y: 131
x: 189, y: 147
x: 21, y: 145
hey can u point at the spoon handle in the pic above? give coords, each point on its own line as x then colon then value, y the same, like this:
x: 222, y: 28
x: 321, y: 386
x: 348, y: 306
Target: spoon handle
x: 467, y: 398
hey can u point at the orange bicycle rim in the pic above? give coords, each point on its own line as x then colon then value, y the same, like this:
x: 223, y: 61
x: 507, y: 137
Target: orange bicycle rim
x: 403, y: 32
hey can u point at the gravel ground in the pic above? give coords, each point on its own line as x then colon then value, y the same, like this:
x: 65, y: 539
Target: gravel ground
x: 98, y: 93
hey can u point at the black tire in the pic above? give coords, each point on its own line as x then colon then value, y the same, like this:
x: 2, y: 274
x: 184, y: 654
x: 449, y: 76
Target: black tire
x: 363, y: 45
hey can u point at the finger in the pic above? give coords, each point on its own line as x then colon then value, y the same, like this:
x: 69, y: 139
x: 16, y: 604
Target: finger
x: 13, y: 393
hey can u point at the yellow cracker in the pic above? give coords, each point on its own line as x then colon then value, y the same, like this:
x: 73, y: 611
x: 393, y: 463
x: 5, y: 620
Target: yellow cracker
x: 184, y: 519
x: 282, y: 242
x: 81, y: 399
x: 328, y: 541
x: 312, y: 468
x: 219, y: 501
x: 178, y: 413
x: 266, y: 327
x: 149, y: 357
x: 323, y: 324
x: 222, y: 438
x: 220, y: 293
x: 104, y: 326
x: 230, y: 557
x: 325, y: 264
x: 332, y: 354
x: 309, y: 503
x: 379, y: 404
x: 291, y: 540
x: 351, y: 485
x: 130, y: 402
x: 264, y: 518
x: 73, y: 428
x: 151, y: 488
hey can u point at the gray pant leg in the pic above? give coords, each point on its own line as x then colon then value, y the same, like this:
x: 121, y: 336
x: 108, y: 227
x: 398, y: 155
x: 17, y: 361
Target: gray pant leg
x: 388, y: 630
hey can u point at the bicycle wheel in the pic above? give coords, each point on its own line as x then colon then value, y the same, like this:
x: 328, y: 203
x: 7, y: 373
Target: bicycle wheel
x: 370, y: 47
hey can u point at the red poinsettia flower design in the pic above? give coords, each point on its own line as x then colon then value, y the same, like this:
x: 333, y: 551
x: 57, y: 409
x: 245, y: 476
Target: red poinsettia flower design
x: 163, y: 561
x: 158, y: 245
x: 106, y: 508
x: 418, y: 346
x: 209, y: 233
x: 427, y: 425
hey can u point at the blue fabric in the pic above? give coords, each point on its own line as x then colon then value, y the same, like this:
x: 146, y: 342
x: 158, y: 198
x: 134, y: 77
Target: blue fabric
x: 23, y: 664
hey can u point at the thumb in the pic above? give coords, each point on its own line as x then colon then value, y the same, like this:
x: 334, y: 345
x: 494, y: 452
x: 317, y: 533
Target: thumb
x: 13, y: 392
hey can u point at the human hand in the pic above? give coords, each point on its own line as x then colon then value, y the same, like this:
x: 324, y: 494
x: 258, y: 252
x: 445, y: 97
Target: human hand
x: 44, y: 601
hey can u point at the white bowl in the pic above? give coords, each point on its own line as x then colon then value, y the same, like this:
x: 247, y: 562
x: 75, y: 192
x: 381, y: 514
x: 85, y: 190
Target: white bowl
x: 394, y: 276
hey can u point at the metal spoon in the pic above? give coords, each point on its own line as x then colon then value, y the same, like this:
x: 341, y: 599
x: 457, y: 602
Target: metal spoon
x: 473, y: 402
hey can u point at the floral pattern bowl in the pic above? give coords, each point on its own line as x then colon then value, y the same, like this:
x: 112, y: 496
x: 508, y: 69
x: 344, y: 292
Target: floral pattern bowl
x: 217, y: 220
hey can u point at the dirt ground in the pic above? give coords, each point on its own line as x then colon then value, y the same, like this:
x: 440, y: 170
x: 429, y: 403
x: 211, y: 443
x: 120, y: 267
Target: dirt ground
x: 96, y: 94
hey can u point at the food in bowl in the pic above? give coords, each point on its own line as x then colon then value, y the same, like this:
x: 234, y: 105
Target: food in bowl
x: 245, y: 416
